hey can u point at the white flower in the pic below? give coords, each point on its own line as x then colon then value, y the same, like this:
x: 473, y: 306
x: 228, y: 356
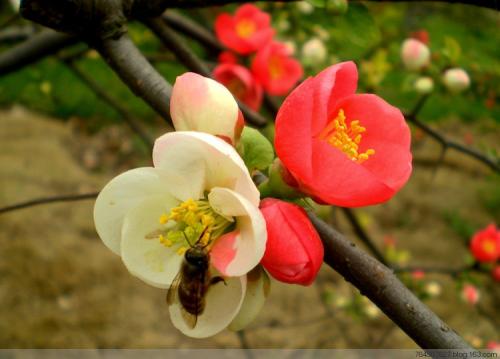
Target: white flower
x: 415, y: 54
x: 456, y: 80
x: 202, y: 104
x: 305, y: 7
x: 314, y: 51
x: 424, y: 85
x: 198, y: 189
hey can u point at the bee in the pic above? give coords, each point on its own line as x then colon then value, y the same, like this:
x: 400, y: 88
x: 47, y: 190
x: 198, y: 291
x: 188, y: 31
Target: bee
x: 192, y: 283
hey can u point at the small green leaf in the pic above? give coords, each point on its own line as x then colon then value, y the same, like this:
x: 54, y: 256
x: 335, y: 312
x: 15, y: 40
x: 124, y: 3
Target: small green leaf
x: 255, y: 149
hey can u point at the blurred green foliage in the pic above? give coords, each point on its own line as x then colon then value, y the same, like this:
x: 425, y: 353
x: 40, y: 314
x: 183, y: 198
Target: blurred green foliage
x: 369, y: 34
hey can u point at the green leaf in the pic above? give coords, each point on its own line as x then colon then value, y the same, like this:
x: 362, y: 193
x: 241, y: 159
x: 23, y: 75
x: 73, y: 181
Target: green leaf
x: 255, y: 149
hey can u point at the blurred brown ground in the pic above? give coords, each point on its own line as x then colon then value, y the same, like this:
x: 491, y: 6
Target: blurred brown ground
x: 61, y: 288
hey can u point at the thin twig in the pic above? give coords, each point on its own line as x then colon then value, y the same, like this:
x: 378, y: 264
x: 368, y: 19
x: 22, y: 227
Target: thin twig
x: 46, y: 200
x: 35, y: 48
x: 363, y: 236
x: 444, y: 141
x: 105, y: 96
x: 193, y: 63
x: 453, y: 272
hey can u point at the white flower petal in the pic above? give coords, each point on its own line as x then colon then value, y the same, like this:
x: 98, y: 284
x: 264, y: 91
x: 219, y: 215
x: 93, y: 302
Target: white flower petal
x: 188, y: 153
x: 202, y: 104
x: 121, y: 194
x: 222, y: 304
x: 258, y: 286
x: 147, y: 258
x: 249, y: 242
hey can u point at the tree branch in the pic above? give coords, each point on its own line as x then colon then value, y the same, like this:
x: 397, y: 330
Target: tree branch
x: 46, y: 200
x: 104, y: 95
x: 136, y: 72
x: 193, y: 63
x: 383, y: 288
x: 444, y: 141
x: 363, y: 236
x: 34, y: 49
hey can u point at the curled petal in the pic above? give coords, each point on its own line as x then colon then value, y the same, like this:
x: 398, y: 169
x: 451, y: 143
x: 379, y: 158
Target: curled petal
x: 145, y: 257
x: 247, y: 243
x: 222, y: 303
x: 202, y: 104
x: 258, y: 286
x: 206, y: 161
x: 122, y: 194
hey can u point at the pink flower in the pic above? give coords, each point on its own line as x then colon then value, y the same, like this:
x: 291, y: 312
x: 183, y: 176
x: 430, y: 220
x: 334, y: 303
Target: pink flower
x: 342, y: 148
x: 470, y: 294
x: 202, y: 104
x: 241, y: 83
x: 246, y: 32
x: 456, y: 80
x: 275, y: 69
x: 485, y: 244
x: 418, y: 274
x: 294, y: 251
x: 415, y: 54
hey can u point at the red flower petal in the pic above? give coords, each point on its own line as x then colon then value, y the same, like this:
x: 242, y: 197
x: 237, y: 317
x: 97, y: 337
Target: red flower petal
x: 294, y: 251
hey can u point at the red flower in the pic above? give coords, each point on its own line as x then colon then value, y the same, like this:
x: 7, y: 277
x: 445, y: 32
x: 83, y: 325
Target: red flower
x: 485, y: 244
x: 495, y: 273
x: 241, y: 84
x: 294, y: 251
x: 421, y: 35
x: 275, y: 69
x: 343, y: 149
x: 247, y: 31
x: 227, y: 57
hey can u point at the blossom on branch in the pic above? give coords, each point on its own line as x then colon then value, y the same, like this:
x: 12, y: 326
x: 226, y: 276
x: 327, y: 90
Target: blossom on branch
x: 239, y: 80
x: 415, y: 54
x: 275, y: 69
x: 342, y: 148
x: 245, y: 32
x: 456, y: 80
x: 294, y: 251
x: 485, y: 244
x: 199, y: 191
x: 202, y: 104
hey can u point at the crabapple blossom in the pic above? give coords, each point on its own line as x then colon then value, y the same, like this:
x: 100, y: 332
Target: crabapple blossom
x: 245, y: 32
x: 239, y: 80
x: 275, y: 69
x: 470, y: 294
x: 198, y: 190
x: 495, y: 273
x: 314, y: 51
x: 294, y: 252
x: 485, y: 244
x: 415, y: 54
x: 342, y: 148
x: 202, y: 104
x: 456, y: 80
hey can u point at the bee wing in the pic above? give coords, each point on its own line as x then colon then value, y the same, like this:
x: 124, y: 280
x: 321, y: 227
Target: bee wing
x: 173, y: 298
x: 173, y: 291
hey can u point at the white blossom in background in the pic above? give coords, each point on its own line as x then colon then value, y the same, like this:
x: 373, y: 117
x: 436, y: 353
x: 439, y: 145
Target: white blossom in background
x: 314, y: 51
x: 424, y: 85
x: 456, y: 80
x: 415, y: 54
x: 305, y: 7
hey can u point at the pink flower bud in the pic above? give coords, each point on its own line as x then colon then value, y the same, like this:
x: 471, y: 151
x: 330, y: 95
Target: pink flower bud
x: 470, y: 294
x: 415, y: 54
x: 294, y: 251
x: 456, y: 80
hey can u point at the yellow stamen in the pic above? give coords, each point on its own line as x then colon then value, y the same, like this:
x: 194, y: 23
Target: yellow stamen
x: 346, y: 137
x: 163, y: 219
x: 489, y: 246
x: 275, y: 67
x: 245, y: 28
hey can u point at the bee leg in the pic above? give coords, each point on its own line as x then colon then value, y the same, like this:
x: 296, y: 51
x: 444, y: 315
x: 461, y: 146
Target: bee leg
x: 216, y: 280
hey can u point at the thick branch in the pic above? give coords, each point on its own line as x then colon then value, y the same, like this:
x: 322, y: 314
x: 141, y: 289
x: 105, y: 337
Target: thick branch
x: 383, y: 288
x: 137, y: 73
x: 34, y: 49
x: 193, y: 63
